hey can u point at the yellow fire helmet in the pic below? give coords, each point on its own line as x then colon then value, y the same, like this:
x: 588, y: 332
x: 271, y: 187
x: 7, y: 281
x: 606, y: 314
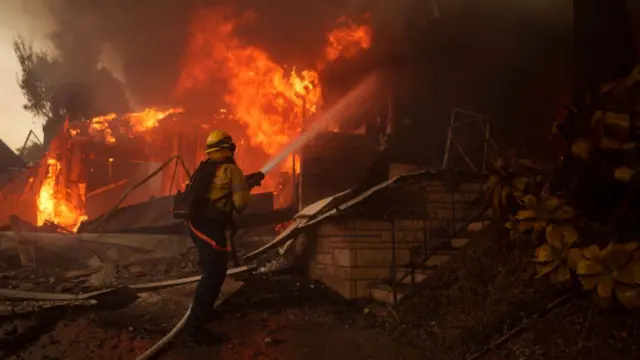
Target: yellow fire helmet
x: 219, y: 139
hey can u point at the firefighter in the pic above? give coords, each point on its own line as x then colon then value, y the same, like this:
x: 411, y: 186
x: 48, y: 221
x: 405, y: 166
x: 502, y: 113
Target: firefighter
x: 227, y: 191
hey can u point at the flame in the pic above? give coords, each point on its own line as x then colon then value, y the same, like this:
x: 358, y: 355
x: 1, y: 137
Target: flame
x: 101, y: 124
x: 149, y: 118
x: 268, y: 99
x: 348, y: 39
x: 51, y: 205
x: 139, y: 121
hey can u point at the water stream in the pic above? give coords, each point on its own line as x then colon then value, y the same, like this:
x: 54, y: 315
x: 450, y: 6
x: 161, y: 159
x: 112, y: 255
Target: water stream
x: 352, y: 103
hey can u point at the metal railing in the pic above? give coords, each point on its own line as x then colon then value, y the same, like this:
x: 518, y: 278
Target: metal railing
x: 178, y: 162
x: 428, y: 248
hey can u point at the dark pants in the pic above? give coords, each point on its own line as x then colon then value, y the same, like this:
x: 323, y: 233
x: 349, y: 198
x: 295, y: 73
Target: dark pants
x: 213, y: 264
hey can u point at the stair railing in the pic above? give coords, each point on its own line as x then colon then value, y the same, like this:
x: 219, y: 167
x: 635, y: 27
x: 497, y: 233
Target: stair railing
x: 428, y: 252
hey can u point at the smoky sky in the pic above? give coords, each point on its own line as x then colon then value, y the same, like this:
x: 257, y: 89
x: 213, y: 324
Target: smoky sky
x: 495, y: 57
x: 150, y: 37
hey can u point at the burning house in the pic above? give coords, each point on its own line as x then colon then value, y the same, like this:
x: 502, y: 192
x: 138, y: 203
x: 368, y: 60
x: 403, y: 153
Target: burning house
x: 115, y: 174
x: 92, y: 162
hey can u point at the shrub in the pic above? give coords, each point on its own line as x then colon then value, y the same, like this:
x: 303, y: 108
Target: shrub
x: 589, y: 218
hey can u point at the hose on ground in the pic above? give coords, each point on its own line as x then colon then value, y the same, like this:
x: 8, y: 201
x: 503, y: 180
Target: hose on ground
x: 165, y: 340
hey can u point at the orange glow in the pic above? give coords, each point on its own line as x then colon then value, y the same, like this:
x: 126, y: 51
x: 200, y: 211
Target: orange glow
x: 100, y: 124
x: 51, y: 205
x: 280, y: 228
x: 347, y: 39
x: 265, y: 97
x: 270, y: 100
x: 139, y: 121
x: 148, y: 118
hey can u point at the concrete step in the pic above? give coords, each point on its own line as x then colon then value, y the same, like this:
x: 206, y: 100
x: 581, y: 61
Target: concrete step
x: 448, y: 247
x: 477, y: 226
x: 444, y: 229
x: 434, y: 257
x: 441, y: 255
x: 384, y: 292
x: 459, y: 242
x: 434, y: 246
x: 420, y: 272
x: 438, y: 259
x: 418, y: 276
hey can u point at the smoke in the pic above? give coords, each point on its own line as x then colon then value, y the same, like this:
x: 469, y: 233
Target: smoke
x: 508, y: 60
x: 146, y: 40
x: 143, y: 44
x: 497, y: 57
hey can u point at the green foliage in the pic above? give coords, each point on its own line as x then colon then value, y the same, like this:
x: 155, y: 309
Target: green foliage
x: 602, y: 135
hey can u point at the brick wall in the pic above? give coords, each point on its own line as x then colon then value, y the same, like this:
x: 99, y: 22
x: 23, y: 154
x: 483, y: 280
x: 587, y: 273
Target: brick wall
x: 350, y: 254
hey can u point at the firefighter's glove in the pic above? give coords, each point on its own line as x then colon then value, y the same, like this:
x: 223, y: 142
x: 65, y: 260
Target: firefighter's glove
x: 254, y: 179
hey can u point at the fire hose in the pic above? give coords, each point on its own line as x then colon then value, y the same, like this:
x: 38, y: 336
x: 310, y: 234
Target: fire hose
x: 355, y: 99
x: 253, y: 180
x: 165, y: 340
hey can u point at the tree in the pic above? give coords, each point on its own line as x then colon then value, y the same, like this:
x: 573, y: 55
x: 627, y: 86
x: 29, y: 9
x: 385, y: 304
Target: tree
x: 55, y: 90
x: 38, y: 85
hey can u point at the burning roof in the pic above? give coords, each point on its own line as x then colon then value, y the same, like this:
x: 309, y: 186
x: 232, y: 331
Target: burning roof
x: 129, y: 124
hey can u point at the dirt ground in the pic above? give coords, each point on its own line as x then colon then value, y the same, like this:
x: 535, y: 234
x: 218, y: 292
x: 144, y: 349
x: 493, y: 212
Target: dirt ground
x: 283, y: 318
